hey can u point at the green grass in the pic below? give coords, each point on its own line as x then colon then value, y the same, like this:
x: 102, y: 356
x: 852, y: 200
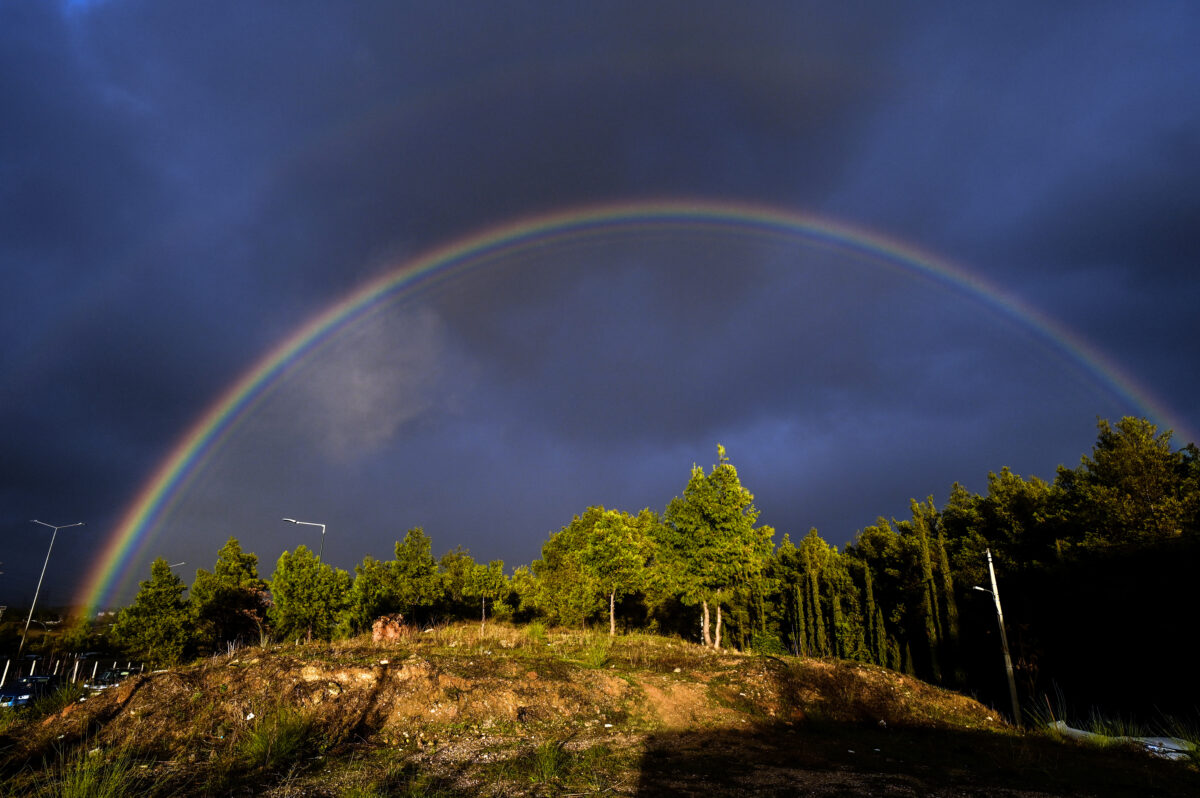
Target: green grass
x: 92, y: 774
x: 57, y: 700
x: 277, y: 740
x: 553, y: 767
x: 403, y: 780
x: 1111, y: 727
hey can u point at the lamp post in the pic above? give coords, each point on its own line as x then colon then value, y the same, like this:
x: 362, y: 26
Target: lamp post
x: 310, y: 523
x: 37, y: 592
x: 1012, y: 682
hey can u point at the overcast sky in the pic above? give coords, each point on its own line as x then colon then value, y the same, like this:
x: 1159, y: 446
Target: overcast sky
x: 182, y: 185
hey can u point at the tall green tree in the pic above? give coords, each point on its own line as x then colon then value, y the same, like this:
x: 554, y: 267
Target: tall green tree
x: 372, y: 594
x: 565, y: 589
x: 1132, y: 489
x: 230, y: 602
x: 616, y: 550
x: 486, y: 583
x: 417, y: 583
x: 308, y: 595
x: 157, y: 626
x: 710, y: 541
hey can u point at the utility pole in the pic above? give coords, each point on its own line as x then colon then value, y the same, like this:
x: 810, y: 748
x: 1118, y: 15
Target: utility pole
x: 1008, y: 668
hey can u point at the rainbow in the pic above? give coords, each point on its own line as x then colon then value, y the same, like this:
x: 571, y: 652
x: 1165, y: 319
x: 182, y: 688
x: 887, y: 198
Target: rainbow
x: 154, y: 500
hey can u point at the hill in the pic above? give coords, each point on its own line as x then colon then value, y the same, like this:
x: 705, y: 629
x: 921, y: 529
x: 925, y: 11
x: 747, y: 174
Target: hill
x: 524, y: 711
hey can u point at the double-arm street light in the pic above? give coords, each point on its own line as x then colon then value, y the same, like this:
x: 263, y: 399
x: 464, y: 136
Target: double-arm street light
x: 37, y: 592
x: 310, y: 523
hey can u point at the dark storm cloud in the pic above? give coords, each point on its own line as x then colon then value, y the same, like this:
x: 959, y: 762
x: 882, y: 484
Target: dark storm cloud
x: 181, y: 185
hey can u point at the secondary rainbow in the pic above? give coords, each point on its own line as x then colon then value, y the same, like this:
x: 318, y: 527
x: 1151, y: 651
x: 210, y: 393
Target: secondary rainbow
x: 137, y: 525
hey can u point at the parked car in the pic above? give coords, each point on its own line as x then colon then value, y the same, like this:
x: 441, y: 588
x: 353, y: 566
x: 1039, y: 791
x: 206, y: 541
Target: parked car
x: 107, y: 679
x: 27, y: 689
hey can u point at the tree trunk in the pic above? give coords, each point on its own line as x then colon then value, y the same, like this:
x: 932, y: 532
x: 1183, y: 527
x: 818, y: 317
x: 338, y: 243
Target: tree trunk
x: 704, y: 624
x: 612, y: 614
x: 717, y: 643
x: 483, y: 613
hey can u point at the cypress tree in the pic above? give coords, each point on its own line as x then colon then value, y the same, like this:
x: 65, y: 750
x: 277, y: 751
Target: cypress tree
x: 873, y: 617
x: 950, y: 605
x: 929, y: 604
x: 803, y: 647
x: 820, y: 640
x: 840, y: 642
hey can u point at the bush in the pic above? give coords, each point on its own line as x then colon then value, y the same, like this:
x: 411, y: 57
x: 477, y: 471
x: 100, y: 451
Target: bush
x: 767, y: 644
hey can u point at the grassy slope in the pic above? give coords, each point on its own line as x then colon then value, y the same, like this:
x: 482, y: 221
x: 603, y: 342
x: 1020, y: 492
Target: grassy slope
x: 510, y: 711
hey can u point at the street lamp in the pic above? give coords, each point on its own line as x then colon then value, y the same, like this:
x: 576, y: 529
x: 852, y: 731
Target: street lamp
x: 37, y: 592
x: 1012, y: 682
x: 310, y: 523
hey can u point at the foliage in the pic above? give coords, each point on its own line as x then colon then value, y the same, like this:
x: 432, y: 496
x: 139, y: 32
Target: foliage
x: 308, y: 595
x: 486, y: 583
x: 709, y: 542
x: 1132, y: 489
x: 231, y: 602
x: 157, y: 627
x: 415, y: 575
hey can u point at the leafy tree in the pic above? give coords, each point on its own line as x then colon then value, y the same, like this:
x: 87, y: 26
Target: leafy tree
x: 565, y: 588
x: 230, y: 602
x: 308, y: 595
x: 486, y: 582
x: 157, y: 627
x: 616, y: 550
x: 78, y: 634
x: 709, y: 541
x: 1132, y: 489
x: 417, y: 584
x: 373, y: 594
x: 454, y: 571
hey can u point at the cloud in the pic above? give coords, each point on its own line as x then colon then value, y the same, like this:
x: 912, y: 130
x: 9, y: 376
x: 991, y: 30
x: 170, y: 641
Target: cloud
x: 363, y: 385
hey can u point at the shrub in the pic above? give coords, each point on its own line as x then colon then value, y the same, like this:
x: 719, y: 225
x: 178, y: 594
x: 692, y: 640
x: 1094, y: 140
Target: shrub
x: 767, y: 644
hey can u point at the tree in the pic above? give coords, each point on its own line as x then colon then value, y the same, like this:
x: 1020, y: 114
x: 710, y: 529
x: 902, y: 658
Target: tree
x: 230, y: 603
x: 565, y: 589
x: 308, y: 595
x: 710, y: 542
x: 486, y: 582
x: 417, y: 584
x: 373, y: 594
x: 157, y: 627
x: 454, y: 572
x: 1133, y: 488
x: 616, y: 550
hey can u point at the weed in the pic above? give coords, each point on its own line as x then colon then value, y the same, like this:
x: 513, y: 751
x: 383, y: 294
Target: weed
x: 54, y: 702
x: 536, y: 632
x: 1111, y: 730
x: 553, y: 766
x: 92, y: 774
x: 548, y: 763
x: 276, y: 740
x: 594, y: 650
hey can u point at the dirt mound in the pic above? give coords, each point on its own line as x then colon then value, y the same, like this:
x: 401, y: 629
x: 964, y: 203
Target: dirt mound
x: 508, y: 711
x: 396, y: 692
